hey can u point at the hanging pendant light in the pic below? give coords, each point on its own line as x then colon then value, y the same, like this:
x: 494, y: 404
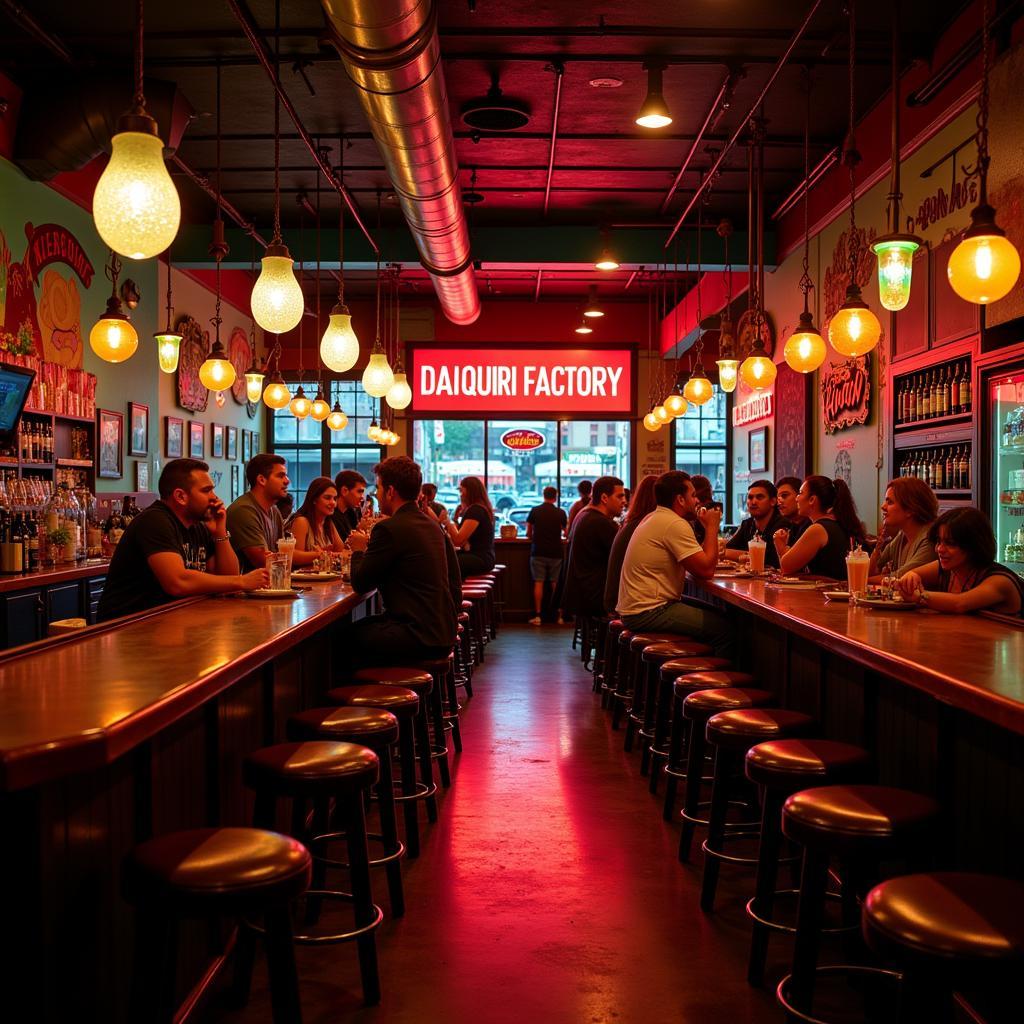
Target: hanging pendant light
x: 378, y: 376
x: 661, y: 414
x: 805, y: 349
x: 592, y: 310
x: 276, y: 394
x: 607, y: 261
x: 254, y: 378
x: 698, y: 389
x: 985, y: 265
x: 339, y: 346
x: 373, y: 431
x: 113, y: 338
x: 400, y: 394
x: 584, y: 328
x: 300, y: 405
x: 217, y: 372
x: 654, y: 112
x: 319, y: 410
x: 652, y: 423
x: 136, y: 206
x: 168, y: 341
x: 676, y: 404
x: 854, y: 330
x: 758, y: 371
x: 727, y: 363
x: 337, y: 419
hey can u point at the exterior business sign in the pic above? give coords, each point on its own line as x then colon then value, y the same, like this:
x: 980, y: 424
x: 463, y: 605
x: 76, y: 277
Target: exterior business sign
x: 523, y: 440
x: 503, y: 380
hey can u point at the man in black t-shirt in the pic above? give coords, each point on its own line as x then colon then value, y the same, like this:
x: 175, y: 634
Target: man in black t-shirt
x: 545, y: 526
x: 764, y: 520
x: 593, y: 532
x: 178, y: 547
x: 351, y: 488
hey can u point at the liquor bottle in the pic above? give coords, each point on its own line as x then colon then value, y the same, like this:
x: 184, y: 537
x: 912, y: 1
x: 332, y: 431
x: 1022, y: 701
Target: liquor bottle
x: 911, y: 400
x: 901, y: 396
x: 949, y: 471
x: 954, y: 391
x: 944, y: 391
x: 935, y: 393
x: 940, y: 470
x: 17, y: 546
x: 968, y: 469
x: 965, y: 390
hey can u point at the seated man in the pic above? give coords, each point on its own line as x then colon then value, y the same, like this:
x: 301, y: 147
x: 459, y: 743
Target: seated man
x: 591, y: 537
x: 178, y: 547
x: 254, y: 519
x: 413, y: 566
x: 763, y: 521
x: 351, y: 487
x: 660, y: 553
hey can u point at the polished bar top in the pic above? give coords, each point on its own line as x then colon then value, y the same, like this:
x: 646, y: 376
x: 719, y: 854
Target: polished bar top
x: 968, y: 661
x: 76, y: 704
x: 58, y: 574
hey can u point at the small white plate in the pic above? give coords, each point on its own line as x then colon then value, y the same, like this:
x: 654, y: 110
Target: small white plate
x: 316, y: 577
x: 837, y: 595
x: 271, y: 594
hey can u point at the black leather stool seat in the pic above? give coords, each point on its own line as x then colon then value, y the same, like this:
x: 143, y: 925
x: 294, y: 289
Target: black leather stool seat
x: 705, y: 703
x: 433, y: 664
x: 401, y: 701
x: 700, y: 663
x: 218, y: 870
x: 311, y: 768
x: 417, y: 679
x: 854, y: 817
x: 372, y: 727
x: 742, y: 728
x: 616, y: 626
x: 689, y: 682
x: 641, y: 640
x: 948, y: 916
x: 670, y: 650
x: 801, y: 763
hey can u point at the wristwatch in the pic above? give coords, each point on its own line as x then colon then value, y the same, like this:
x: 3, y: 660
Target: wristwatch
x: 227, y: 536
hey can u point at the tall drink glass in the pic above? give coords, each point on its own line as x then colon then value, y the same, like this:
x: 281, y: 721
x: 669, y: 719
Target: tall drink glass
x: 756, y: 549
x: 857, y: 562
x: 286, y: 546
x: 279, y: 571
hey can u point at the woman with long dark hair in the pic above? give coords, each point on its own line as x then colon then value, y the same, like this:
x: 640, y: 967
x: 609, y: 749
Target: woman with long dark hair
x: 835, y: 527
x: 642, y: 504
x: 312, y: 524
x: 475, y: 528
x: 966, y: 576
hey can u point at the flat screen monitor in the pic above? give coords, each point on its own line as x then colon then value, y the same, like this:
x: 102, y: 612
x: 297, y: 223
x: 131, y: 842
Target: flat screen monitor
x: 15, y: 382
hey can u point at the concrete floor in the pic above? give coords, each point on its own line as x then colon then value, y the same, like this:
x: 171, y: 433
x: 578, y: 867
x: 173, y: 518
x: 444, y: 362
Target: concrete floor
x: 549, y: 891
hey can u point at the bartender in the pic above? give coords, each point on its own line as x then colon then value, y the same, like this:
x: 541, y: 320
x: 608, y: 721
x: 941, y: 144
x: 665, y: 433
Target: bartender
x: 178, y: 547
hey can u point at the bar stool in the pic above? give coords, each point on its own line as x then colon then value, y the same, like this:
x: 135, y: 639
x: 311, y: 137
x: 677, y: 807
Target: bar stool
x: 731, y: 734
x: 781, y: 768
x: 407, y: 707
x: 679, y: 727
x: 378, y: 730
x: 698, y: 707
x: 463, y: 656
x: 477, y: 596
x: 859, y: 825
x: 213, y: 872
x: 319, y: 771
x: 484, y: 586
x: 623, y: 693
x: 609, y: 682
x: 442, y: 670
x: 599, y: 653
x: 637, y: 644
x: 499, y: 594
x: 476, y: 645
x: 946, y: 930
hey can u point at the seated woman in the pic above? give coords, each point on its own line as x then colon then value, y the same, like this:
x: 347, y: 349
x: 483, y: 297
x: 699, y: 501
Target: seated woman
x: 834, y: 528
x: 475, y: 528
x: 312, y: 525
x: 909, y: 509
x: 966, y: 576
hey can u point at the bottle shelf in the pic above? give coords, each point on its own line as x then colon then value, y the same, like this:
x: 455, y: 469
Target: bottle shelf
x: 944, y: 492
x: 933, y: 421
x: 76, y: 463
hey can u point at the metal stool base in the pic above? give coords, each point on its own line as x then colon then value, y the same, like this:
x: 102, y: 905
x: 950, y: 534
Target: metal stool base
x: 782, y: 991
x: 337, y: 937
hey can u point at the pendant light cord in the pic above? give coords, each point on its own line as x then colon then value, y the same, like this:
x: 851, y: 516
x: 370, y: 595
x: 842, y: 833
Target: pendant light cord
x: 277, y: 123
x: 140, y: 99
x: 341, y: 223
x: 302, y: 265
x: 850, y: 154
x: 982, y: 119
x: 319, y: 362
x: 169, y: 307
x: 806, y: 284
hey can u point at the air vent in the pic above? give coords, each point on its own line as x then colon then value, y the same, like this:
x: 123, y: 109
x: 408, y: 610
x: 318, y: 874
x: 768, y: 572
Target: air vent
x: 496, y: 113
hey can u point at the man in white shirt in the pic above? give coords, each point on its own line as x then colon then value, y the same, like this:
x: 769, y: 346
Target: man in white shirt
x: 662, y: 550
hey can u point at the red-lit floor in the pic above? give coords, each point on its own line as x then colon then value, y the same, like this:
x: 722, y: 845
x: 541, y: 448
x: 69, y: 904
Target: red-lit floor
x: 549, y: 891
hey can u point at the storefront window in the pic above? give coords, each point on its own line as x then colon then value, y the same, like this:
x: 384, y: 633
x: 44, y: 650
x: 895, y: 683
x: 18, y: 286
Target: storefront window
x: 516, y: 472
x: 447, y: 451
x: 701, y: 445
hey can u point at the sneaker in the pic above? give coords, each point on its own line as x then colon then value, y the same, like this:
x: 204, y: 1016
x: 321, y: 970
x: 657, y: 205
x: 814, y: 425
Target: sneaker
x: 536, y: 621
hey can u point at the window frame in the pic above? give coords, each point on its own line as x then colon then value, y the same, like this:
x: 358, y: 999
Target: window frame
x: 700, y: 446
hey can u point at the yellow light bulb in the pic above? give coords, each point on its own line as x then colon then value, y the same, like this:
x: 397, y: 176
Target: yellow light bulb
x: 854, y: 330
x: 339, y: 347
x: 728, y: 373
x: 373, y: 432
x: 277, y: 395
x: 378, y: 376
x: 136, y: 206
x: 983, y: 268
x: 300, y: 405
x: 217, y: 373
x: 399, y: 394
x: 167, y: 349
x: 652, y: 423
x: 698, y: 390
x: 676, y: 404
x: 758, y: 372
x: 805, y: 350
x: 319, y: 410
x: 661, y: 414
x: 113, y: 339
x: 337, y: 420
x: 253, y: 386
x: 277, y: 302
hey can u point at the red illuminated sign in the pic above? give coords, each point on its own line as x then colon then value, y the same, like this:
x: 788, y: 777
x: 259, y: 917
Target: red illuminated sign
x: 522, y: 440
x: 474, y: 381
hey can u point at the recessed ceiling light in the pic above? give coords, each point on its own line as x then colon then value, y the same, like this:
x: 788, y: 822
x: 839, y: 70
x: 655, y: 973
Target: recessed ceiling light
x: 606, y: 83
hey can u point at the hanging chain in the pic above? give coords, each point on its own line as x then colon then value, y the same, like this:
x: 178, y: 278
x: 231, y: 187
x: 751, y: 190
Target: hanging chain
x: 341, y: 222
x: 851, y: 155
x: 806, y: 284
x: 169, y: 307
x: 140, y: 99
x: 376, y: 344
x: 302, y: 267
x: 219, y: 253
x: 319, y: 364
x: 982, y: 119
x: 277, y: 123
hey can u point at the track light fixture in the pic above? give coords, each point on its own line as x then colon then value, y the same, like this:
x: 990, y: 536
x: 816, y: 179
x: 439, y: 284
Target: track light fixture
x: 654, y: 112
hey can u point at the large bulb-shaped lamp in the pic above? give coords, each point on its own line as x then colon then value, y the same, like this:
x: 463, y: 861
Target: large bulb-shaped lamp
x: 378, y: 376
x: 805, y: 350
x: 339, y: 347
x: 277, y: 303
x: 985, y: 265
x: 399, y: 394
x: 854, y: 330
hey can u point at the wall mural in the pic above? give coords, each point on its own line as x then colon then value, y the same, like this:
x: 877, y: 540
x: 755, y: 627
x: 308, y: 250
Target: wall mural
x: 50, y: 326
x: 792, y: 420
x: 837, y: 276
x: 195, y: 343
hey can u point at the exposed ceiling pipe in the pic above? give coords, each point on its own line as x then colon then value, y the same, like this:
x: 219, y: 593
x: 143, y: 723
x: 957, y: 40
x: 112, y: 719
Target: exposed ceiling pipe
x: 780, y: 64
x: 392, y: 53
x: 24, y: 19
x: 266, y: 60
x: 559, y: 74
x: 202, y: 182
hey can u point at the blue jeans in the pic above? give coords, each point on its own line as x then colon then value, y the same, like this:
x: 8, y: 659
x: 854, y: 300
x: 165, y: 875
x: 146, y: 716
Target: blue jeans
x: 689, y: 618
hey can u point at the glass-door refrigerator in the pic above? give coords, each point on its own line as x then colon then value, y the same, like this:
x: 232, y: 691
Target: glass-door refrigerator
x: 1005, y: 387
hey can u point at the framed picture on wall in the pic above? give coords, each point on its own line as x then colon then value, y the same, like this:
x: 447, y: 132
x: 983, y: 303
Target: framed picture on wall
x: 246, y: 445
x: 217, y: 440
x: 232, y: 442
x: 174, y: 437
x: 236, y: 481
x: 138, y: 434
x: 196, y: 439
x: 256, y: 442
x: 142, y: 476
x: 757, y: 450
x: 110, y: 429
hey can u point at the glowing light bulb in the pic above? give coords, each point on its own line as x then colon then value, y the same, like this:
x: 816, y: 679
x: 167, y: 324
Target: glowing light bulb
x: 378, y: 376
x: 676, y: 404
x: 167, y: 349
x: 277, y: 302
x: 983, y: 268
x: 854, y: 330
x: 136, y: 206
x: 728, y: 373
x: 337, y: 419
x: 661, y: 414
x: 217, y: 372
x: 339, y: 347
x: 113, y: 338
x: 584, y: 328
x: 319, y: 410
x: 652, y: 423
x: 895, y: 269
x: 698, y: 390
x: 399, y: 394
x: 805, y: 349
x: 300, y: 405
x: 757, y: 371
x: 276, y: 395
x: 607, y: 261
x: 254, y: 385
x: 373, y: 432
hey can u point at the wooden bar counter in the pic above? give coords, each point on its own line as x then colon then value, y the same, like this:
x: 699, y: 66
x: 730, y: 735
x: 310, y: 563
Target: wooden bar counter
x: 127, y: 730
x: 938, y: 700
